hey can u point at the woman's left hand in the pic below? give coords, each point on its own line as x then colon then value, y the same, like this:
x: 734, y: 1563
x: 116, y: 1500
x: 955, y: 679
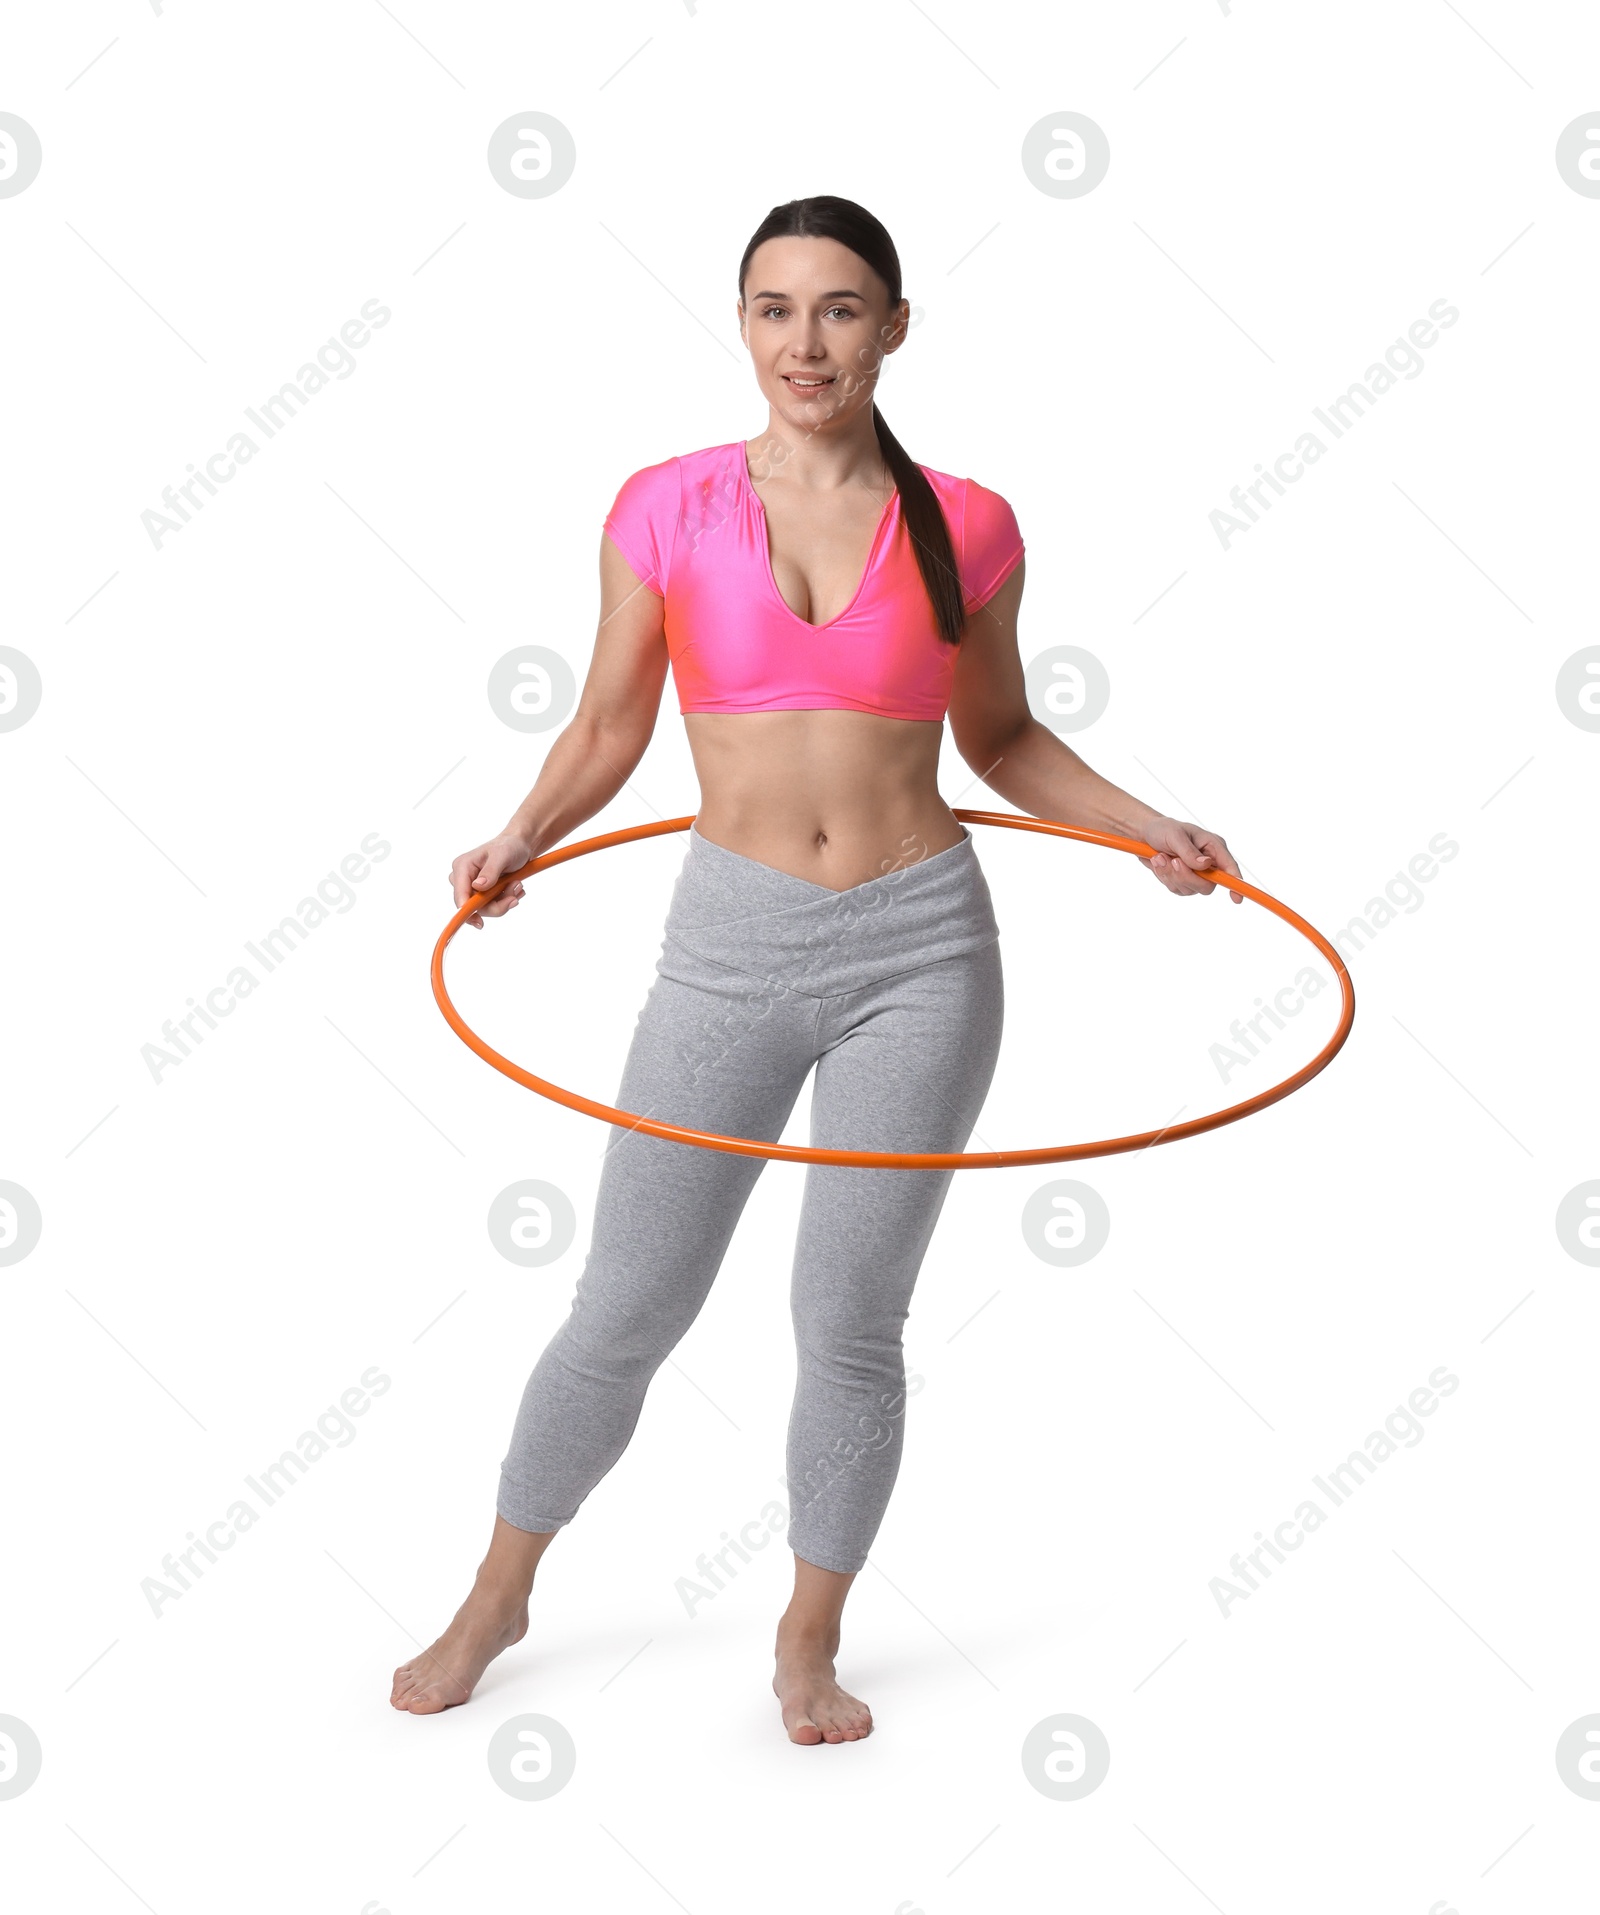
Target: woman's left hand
x: 1184, y: 854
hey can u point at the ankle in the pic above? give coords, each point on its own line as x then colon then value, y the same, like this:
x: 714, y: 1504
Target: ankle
x: 805, y: 1635
x: 501, y: 1593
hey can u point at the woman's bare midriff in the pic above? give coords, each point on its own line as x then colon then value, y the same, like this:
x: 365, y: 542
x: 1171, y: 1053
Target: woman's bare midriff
x: 836, y: 797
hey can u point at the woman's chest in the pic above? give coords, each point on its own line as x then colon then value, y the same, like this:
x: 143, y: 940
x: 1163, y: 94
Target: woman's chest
x: 820, y: 547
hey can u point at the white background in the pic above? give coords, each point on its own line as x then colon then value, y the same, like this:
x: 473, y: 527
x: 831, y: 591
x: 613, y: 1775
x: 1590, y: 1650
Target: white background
x: 224, y: 719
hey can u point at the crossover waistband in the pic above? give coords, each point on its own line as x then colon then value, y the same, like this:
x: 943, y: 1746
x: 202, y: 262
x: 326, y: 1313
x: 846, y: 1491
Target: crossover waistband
x: 748, y: 917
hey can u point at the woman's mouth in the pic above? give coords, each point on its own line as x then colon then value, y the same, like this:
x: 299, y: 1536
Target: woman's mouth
x: 808, y: 385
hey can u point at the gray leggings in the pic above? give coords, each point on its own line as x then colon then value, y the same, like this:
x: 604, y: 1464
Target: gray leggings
x: 893, y: 991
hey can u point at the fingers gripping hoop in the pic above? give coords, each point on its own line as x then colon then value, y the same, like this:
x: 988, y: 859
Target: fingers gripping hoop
x: 891, y: 1160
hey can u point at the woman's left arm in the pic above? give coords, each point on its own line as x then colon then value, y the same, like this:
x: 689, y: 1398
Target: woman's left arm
x: 1029, y: 766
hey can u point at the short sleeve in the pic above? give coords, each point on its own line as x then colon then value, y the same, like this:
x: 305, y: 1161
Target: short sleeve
x: 643, y: 521
x: 991, y: 544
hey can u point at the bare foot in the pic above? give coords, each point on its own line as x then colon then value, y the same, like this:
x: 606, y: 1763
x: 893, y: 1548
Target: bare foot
x: 815, y: 1708
x: 444, y: 1675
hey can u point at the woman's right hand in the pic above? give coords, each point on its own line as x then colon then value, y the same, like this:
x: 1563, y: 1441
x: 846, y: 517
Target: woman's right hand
x: 481, y: 869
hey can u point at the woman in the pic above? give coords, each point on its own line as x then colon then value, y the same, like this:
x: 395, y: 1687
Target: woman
x: 822, y: 601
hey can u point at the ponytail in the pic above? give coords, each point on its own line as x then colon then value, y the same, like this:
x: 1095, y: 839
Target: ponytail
x: 929, y: 532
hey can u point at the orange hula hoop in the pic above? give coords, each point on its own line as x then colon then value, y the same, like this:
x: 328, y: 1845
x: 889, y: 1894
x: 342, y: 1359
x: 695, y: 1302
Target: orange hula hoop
x: 891, y: 1160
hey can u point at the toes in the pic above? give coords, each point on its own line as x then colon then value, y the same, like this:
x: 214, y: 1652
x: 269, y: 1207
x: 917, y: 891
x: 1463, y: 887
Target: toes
x: 855, y: 1721
x: 430, y: 1702
x: 847, y: 1721
x: 822, y: 1712
x: 422, y: 1692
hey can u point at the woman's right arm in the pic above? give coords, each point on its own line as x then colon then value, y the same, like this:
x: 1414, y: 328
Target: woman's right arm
x: 596, y: 752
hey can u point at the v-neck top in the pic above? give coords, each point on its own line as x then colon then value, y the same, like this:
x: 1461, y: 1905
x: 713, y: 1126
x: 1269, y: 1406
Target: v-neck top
x: 694, y: 531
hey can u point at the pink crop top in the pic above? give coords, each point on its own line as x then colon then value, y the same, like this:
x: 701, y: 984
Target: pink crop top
x: 693, y: 529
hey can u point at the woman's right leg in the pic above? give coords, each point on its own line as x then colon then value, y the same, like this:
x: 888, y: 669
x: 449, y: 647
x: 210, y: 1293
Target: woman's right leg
x: 723, y: 1053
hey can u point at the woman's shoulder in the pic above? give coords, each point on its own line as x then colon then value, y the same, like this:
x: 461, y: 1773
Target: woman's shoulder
x: 978, y: 515
x: 691, y: 464
x: 661, y: 489
x: 956, y: 492
x: 655, y: 503
x: 988, y: 539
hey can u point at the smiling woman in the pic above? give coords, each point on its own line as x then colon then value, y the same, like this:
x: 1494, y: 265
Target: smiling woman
x: 823, y: 602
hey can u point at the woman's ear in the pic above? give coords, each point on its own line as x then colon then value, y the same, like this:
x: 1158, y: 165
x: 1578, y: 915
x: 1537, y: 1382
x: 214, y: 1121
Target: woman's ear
x: 894, y: 334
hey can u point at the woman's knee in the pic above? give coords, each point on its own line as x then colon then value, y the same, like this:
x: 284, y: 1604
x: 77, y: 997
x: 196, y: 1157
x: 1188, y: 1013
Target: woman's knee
x: 858, y: 1358
x: 618, y: 1338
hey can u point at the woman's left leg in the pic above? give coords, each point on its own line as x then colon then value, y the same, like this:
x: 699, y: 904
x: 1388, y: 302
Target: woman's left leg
x: 907, y: 1065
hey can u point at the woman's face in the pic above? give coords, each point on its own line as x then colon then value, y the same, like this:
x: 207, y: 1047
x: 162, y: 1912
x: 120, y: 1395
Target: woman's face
x: 818, y: 322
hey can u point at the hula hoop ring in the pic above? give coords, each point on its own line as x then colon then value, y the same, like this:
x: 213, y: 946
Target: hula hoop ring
x: 891, y: 1160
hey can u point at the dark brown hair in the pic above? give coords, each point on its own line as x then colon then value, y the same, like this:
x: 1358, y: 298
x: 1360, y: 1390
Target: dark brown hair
x: 824, y: 216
